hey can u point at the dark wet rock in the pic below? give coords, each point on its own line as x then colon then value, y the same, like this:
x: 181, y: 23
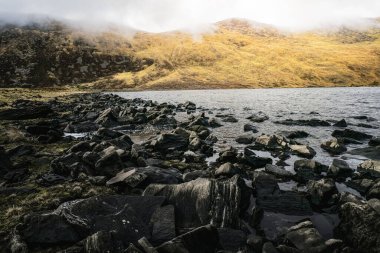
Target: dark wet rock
x: 256, y: 242
x: 255, y: 161
x: 164, y: 120
x: 268, y: 247
x: 103, y: 241
x: 271, y: 142
x: 107, y: 118
x: 308, y: 169
x: 363, y: 117
x: 305, y: 237
x: 334, y: 146
x: 226, y: 170
x: 214, y: 122
x: 271, y: 199
x: 106, y: 134
x: 244, y: 139
x: 345, y: 197
x: 361, y: 185
x: 366, y: 125
x: 228, y: 155
x: 301, y: 122
x: 278, y: 171
x: 258, y: 117
x: 82, y: 146
x: 359, y: 225
x: 348, y: 133
x: 230, y: 119
x: 341, y: 123
x: 73, y: 221
x: 303, y: 151
x: 81, y: 127
x: 28, y: 112
x: 339, y: 169
x: 321, y: 192
x: 143, y: 176
x: 50, y: 179
x: 374, y: 191
x: 204, y: 201
x: 170, y: 142
x: 203, y: 239
x: 163, y: 224
x: 369, y: 152
x: 232, y: 239
x: 250, y: 128
x: 189, y: 176
x: 370, y: 168
x: 62, y: 165
x: 375, y: 141
x: 295, y: 134
x: 109, y: 164
x: 188, y: 105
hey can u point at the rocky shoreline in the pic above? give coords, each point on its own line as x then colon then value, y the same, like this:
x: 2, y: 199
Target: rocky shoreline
x: 79, y: 174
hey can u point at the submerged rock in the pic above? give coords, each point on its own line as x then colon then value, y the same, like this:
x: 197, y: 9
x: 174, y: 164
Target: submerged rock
x: 341, y: 123
x: 348, y: 133
x: 301, y: 122
x: 250, y: 128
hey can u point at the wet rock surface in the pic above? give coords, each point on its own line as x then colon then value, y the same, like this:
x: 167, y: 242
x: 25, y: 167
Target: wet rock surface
x: 108, y: 174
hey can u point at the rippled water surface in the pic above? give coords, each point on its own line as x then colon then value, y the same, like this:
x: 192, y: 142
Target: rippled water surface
x: 330, y: 104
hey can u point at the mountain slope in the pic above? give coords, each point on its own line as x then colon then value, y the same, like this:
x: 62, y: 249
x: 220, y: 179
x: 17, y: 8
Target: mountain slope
x: 238, y: 53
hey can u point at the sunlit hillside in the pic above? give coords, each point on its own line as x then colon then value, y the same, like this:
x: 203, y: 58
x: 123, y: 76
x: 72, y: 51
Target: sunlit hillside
x: 243, y: 54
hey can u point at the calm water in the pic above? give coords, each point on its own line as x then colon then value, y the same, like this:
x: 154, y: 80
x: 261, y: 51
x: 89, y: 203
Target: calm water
x: 330, y: 103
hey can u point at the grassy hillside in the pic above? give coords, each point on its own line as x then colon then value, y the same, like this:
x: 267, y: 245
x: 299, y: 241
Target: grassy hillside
x: 239, y: 54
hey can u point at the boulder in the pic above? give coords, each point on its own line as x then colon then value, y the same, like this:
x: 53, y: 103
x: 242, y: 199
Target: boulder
x: 250, y: 128
x: 361, y: 185
x: 339, y: 169
x: 189, y: 176
x: 107, y: 118
x: 334, y: 146
x: 359, y: 225
x: 255, y: 161
x: 230, y: 119
x: 306, y: 238
x: 341, y: 123
x: 278, y: 171
x: 375, y: 141
x: 295, y: 134
x: 268, y: 247
x: 143, y: 176
x: 374, y: 191
x: 227, y: 170
x: 321, y: 192
x: 170, y: 142
x: 370, y: 168
x: 258, y: 117
x: 204, y: 201
x: 348, y: 133
x: 109, y: 164
x: 214, y: 123
x: 301, y: 122
x: 303, y: 151
x: 244, y: 139
x: 308, y: 170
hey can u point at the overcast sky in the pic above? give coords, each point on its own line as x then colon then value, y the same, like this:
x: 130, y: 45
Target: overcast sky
x: 164, y: 15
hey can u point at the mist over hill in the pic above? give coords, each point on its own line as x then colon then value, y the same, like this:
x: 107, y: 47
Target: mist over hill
x: 227, y: 54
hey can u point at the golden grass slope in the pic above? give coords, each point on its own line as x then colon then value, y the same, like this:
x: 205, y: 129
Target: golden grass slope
x: 239, y: 54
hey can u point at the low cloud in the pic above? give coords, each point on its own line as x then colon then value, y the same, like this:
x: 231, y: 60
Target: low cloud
x: 166, y: 15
